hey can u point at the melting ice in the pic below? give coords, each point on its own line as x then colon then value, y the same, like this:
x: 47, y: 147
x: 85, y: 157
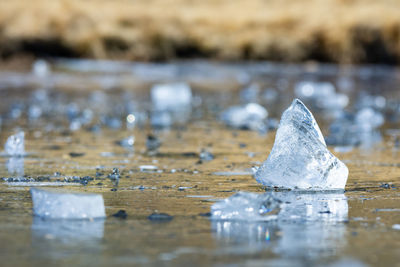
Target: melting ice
x: 299, y: 158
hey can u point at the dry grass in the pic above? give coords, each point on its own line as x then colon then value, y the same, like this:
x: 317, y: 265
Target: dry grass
x: 286, y: 30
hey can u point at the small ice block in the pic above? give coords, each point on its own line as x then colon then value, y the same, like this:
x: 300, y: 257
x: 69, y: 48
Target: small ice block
x: 65, y: 205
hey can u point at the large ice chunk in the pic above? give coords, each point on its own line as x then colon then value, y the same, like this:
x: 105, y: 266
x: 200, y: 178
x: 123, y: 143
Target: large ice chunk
x: 245, y: 206
x: 15, y: 145
x: 251, y: 116
x: 299, y: 158
x: 62, y: 205
x: 171, y: 96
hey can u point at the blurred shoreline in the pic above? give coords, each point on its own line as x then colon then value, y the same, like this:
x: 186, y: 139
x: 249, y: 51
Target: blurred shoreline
x: 336, y: 31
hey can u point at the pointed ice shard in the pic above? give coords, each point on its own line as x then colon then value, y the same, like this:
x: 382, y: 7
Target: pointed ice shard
x: 15, y: 145
x: 61, y: 205
x: 299, y: 157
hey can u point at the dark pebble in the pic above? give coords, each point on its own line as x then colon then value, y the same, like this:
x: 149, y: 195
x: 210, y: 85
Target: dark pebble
x: 121, y: 214
x: 75, y: 154
x: 326, y: 211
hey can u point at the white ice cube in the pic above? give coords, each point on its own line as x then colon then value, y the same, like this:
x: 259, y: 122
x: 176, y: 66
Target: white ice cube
x: 65, y: 205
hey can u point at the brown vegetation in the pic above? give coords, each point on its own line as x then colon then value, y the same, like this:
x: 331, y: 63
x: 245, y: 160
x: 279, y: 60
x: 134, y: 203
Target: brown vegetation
x: 344, y: 31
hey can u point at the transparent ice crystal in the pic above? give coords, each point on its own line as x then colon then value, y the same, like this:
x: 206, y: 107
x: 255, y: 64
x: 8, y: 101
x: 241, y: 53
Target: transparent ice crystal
x: 62, y: 205
x: 299, y: 158
x: 15, y: 145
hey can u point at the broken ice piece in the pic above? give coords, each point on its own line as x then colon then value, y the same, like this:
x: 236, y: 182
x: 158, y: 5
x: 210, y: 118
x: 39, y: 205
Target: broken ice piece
x: 283, y: 206
x: 251, y: 116
x: 171, y: 96
x: 246, y: 206
x: 299, y: 158
x: 15, y: 145
x: 63, y: 205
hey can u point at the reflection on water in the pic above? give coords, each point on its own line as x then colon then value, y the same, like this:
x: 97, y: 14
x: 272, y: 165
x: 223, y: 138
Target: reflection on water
x: 15, y: 166
x: 59, y: 238
x: 310, y: 225
x: 323, y: 207
x: 68, y: 231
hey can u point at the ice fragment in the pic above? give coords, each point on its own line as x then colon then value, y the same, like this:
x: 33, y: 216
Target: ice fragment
x: 62, y: 205
x: 284, y: 206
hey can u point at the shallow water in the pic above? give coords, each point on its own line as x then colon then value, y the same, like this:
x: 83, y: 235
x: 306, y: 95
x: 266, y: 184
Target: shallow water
x: 182, y: 186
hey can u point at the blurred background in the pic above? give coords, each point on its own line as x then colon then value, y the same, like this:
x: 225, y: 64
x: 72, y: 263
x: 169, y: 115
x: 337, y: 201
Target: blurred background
x: 340, y: 31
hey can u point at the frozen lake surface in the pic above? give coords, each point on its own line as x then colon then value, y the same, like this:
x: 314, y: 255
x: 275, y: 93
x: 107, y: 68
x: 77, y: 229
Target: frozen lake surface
x: 88, y: 129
